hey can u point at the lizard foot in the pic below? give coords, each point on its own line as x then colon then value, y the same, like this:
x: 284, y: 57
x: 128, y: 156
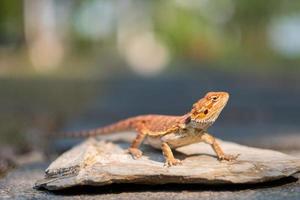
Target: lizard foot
x: 136, y: 153
x: 228, y: 157
x: 171, y: 162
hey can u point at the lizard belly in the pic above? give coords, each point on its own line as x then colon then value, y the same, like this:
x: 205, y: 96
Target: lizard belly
x: 154, y: 141
x: 175, y: 140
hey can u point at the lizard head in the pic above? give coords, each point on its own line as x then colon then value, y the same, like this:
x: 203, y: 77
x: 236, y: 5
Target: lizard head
x: 205, y: 111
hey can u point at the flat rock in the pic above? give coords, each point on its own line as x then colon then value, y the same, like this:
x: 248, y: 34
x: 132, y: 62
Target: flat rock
x: 95, y: 162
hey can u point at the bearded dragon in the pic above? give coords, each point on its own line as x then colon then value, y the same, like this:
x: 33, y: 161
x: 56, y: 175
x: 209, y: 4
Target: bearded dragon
x: 170, y: 132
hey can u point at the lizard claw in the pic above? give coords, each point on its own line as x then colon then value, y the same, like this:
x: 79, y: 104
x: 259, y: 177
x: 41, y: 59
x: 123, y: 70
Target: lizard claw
x: 228, y: 157
x: 136, y: 153
x: 171, y: 162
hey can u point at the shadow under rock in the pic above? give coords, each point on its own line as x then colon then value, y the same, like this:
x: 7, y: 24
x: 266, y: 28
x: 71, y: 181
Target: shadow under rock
x: 119, y: 188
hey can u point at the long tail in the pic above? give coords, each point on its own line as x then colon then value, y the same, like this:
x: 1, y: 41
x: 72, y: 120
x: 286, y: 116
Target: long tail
x: 122, y: 125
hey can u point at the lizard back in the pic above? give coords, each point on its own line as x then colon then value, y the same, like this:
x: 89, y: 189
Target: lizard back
x: 160, y: 124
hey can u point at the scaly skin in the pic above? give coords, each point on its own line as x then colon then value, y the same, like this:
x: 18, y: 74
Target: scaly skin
x: 169, y: 132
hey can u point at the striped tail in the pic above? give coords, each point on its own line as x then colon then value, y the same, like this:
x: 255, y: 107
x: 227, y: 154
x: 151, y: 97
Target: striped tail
x: 122, y: 125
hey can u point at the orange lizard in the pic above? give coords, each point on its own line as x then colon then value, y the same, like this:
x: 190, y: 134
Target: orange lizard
x: 169, y: 132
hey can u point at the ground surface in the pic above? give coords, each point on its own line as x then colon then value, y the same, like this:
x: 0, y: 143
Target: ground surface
x: 33, y: 108
x: 18, y: 184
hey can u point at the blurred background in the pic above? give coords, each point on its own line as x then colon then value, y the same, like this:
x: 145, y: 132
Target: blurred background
x: 72, y: 65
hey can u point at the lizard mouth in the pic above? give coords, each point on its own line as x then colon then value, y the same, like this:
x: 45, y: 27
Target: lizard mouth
x: 204, y: 121
x: 201, y: 123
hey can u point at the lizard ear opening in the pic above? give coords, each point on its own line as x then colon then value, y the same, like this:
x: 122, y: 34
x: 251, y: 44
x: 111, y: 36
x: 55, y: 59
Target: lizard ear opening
x: 187, y: 120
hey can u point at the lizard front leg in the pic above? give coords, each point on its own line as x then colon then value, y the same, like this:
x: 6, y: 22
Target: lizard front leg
x: 133, y: 149
x: 167, y: 152
x: 209, y: 139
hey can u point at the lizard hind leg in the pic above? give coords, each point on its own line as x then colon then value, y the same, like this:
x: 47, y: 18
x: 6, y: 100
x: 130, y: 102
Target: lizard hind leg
x: 167, y: 152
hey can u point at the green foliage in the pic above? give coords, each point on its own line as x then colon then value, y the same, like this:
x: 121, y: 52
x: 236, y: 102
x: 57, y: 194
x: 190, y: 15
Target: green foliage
x: 227, y: 32
x: 11, y: 21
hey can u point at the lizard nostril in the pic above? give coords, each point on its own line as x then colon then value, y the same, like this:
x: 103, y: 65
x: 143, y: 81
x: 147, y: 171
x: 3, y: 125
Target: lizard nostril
x: 205, y: 111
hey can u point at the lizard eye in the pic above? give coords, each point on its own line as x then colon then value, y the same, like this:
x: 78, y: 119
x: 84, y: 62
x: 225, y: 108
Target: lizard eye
x: 214, y: 98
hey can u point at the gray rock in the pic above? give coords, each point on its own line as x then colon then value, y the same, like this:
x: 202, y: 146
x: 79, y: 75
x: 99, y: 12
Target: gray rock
x: 96, y: 162
x: 18, y: 184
